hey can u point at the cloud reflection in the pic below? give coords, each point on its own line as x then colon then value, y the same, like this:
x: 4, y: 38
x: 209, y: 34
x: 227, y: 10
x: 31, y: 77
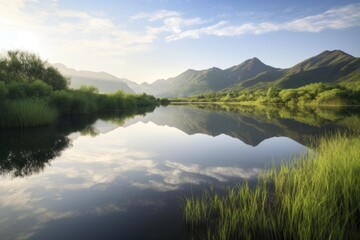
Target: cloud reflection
x: 104, y: 175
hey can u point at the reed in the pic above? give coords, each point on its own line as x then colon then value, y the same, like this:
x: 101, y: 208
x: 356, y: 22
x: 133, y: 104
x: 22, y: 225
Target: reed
x: 26, y: 113
x: 316, y: 196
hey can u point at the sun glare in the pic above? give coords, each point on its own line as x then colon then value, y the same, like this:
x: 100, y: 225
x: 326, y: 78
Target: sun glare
x: 29, y: 41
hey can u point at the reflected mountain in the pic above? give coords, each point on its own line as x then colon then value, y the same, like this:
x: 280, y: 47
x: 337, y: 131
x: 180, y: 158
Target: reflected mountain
x: 251, y: 125
x: 28, y: 151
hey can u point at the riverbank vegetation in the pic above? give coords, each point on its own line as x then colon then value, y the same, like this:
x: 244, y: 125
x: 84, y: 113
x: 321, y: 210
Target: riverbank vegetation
x: 314, y: 196
x: 33, y: 93
x: 312, y: 94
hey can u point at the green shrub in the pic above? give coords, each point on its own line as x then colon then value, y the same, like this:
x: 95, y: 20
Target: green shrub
x: 18, y: 90
x: 3, y: 90
x: 39, y: 88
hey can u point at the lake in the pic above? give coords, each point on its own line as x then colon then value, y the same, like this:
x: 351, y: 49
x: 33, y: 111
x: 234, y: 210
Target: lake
x: 125, y: 176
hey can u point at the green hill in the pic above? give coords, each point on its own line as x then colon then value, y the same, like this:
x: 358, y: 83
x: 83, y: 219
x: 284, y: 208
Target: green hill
x: 335, y: 67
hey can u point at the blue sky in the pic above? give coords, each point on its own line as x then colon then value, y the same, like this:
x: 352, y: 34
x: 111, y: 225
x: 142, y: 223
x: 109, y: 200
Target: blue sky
x: 145, y: 40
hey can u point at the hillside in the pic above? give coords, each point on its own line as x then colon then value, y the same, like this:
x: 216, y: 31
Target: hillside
x: 327, y: 67
x: 105, y: 82
x: 193, y: 82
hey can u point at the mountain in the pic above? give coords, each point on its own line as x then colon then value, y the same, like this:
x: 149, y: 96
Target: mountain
x: 105, y: 82
x: 327, y: 67
x: 193, y: 82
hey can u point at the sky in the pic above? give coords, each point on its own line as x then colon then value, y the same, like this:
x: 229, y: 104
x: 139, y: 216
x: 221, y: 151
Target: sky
x: 146, y: 40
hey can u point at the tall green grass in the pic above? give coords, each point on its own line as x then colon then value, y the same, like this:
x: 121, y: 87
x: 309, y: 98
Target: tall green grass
x: 316, y: 196
x: 26, y: 113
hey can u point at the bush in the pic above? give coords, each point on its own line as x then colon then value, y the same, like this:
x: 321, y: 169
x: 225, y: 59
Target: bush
x: 18, y: 90
x: 330, y: 97
x: 39, y: 89
x: 3, y: 90
x: 62, y: 101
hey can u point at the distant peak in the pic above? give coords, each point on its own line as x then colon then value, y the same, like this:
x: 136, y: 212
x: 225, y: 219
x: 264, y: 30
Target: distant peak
x: 253, y: 61
x: 214, y: 69
x: 59, y: 65
x: 250, y: 60
x: 334, y: 52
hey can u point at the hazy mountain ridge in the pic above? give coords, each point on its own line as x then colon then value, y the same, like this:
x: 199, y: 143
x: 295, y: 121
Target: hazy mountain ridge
x: 105, y: 82
x: 327, y: 67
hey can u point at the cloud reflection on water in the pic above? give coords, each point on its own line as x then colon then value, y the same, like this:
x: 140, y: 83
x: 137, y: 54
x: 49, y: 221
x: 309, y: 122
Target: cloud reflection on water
x: 107, y: 166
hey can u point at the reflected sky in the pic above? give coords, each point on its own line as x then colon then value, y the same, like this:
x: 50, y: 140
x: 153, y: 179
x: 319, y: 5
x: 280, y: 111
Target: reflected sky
x: 127, y: 181
x: 125, y: 178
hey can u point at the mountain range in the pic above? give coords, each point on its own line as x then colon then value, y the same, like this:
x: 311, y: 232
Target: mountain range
x: 327, y: 67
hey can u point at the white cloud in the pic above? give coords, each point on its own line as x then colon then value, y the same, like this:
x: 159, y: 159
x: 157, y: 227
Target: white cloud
x: 78, y: 38
x: 85, y: 40
x: 337, y: 18
x: 154, y: 16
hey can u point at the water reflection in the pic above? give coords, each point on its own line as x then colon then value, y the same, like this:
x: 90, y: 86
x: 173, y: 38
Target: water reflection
x: 28, y: 151
x: 254, y: 124
x: 113, y: 182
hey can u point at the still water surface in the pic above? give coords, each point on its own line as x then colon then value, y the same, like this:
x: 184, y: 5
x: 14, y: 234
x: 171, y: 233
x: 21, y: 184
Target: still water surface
x: 125, y: 178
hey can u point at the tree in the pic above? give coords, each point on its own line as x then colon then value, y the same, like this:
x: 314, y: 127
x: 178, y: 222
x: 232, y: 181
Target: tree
x: 22, y: 66
x: 53, y: 77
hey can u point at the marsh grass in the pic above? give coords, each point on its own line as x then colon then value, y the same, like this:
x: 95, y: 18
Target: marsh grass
x: 26, y: 113
x: 316, y: 196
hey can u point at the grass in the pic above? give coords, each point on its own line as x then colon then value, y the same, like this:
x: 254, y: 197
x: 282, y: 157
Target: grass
x: 316, y: 196
x: 26, y: 113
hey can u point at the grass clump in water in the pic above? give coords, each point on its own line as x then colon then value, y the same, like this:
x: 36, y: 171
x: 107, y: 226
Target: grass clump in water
x: 26, y: 113
x: 314, y: 197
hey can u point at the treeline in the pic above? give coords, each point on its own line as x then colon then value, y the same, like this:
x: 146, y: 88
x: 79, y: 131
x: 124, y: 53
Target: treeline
x: 34, y: 93
x: 312, y: 94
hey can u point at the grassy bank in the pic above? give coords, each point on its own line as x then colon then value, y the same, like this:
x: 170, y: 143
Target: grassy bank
x: 315, y: 197
x: 26, y: 113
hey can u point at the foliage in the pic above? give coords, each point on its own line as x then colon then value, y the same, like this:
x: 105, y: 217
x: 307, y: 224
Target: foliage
x: 315, y: 195
x: 311, y: 94
x: 34, y: 93
x: 21, y: 66
x: 3, y: 90
x: 26, y: 113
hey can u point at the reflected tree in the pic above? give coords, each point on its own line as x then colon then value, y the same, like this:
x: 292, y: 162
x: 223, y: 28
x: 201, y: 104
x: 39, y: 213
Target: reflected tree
x: 21, y: 163
x: 24, y: 152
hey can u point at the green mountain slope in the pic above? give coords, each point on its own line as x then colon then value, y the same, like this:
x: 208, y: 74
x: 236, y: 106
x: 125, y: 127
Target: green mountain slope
x: 327, y: 67
x: 192, y: 82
